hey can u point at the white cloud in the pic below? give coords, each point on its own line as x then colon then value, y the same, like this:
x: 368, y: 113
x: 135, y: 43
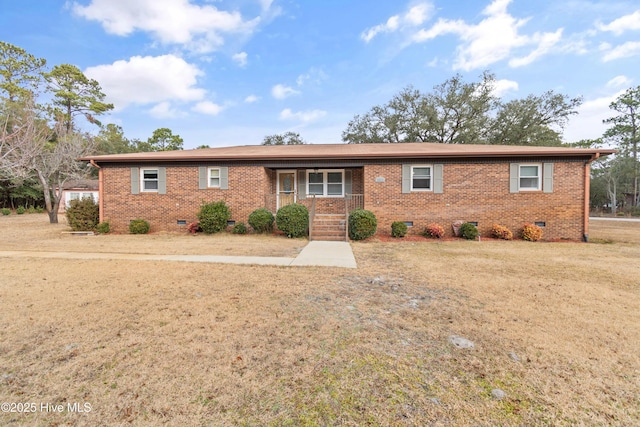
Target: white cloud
x: 414, y: 17
x: 280, y: 91
x: 545, y: 43
x: 314, y: 75
x: 148, y: 80
x: 303, y: 116
x: 199, y: 27
x: 208, y: 107
x: 164, y: 110
x: 492, y: 39
x: 625, y: 50
x: 500, y: 87
x: 626, y: 23
x: 418, y: 14
x: 251, y: 99
x: 619, y: 82
x: 266, y: 4
x: 604, y: 46
x: 240, y: 59
x: 389, y: 26
x: 587, y: 124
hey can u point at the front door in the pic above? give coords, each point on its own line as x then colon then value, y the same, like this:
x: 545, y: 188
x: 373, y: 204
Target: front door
x: 286, y: 188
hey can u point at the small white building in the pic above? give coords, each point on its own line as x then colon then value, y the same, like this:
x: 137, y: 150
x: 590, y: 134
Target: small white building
x: 78, y: 189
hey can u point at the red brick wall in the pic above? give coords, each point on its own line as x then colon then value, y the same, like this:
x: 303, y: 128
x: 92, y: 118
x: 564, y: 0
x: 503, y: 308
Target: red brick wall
x: 247, y: 188
x: 478, y: 192
x: 472, y: 192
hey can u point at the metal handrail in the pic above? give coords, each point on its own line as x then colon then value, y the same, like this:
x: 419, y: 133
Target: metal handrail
x: 312, y: 215
x: 351, y: 203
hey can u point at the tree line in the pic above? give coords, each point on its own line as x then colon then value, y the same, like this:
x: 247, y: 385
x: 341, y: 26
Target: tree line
x: 458, y: 112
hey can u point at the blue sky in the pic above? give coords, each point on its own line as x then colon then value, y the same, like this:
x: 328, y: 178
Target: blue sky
x: 229, y: 72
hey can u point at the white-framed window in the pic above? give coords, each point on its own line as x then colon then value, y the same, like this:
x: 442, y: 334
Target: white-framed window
x: 214, y: 178
x: 75, y: 195
x: 421, y: 178
x: 149, y: 180
x: 530, y: 177
x: 325, y: 183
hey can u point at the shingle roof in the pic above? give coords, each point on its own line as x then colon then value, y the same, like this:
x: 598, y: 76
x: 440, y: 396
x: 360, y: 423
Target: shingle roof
x: 348, y: 151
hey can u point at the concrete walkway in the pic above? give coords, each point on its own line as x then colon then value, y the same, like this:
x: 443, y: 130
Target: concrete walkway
x: 604, y: 218
x: 316, y: 253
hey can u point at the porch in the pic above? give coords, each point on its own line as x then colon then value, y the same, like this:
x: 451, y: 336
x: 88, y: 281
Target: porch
x: 330, y: 195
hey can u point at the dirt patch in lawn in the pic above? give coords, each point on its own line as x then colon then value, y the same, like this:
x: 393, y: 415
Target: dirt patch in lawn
x: 554, y: 327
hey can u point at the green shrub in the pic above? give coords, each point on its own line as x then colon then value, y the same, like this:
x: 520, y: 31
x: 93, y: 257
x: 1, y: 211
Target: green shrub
x: 139, y: 226
x: 103, y: 228
x: 435, y: 231
x: 501, y: 232
x: 531, y: 232
x: 31, y: 209
x: 398, y: 229
x: 20, y: 210
x: 214, y: 217
x: 239, y: 228
x: 83, y: 214
x: 261, y: 220
x: 6, y: 211
x: 293, y: 220
x: 468, y: 231
x: 362, y: 224
x: 39, y: 209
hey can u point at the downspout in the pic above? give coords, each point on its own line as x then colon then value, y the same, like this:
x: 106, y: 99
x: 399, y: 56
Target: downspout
x: 587, y: 187
x: 100, y: 190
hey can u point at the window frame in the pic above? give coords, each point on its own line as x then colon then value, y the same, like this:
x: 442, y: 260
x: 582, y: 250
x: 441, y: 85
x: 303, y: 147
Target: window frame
x: 209, y: 170
x: 538, y: 176
x: 431, y: 177
x: 325, y: 182
x: 143, y: 181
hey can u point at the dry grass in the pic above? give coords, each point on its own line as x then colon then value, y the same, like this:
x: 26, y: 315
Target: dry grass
x: 149, y: 343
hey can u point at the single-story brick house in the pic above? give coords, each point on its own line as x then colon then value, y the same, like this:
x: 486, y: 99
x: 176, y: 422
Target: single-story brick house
x: 418, y: 183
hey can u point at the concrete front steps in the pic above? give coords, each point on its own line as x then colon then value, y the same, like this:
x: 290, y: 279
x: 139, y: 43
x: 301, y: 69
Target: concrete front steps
x: 329, y: 227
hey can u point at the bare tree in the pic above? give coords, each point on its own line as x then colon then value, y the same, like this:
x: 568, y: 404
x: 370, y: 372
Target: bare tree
x: 30, y: 148
x: 20, y: 127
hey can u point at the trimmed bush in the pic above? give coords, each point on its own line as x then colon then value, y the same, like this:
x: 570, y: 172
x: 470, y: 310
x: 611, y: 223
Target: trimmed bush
x: 501, y: 232
x: 468, y: 231
x: 362, y: 224
x: 83, y: 214
x: 104, y: 227
x: 398, y: 229
x: 434, y: 231
x: 6, y: 211
x: 139, y: 226
x: 20, y: 210
x: 531, y: 232
x: 293, y: 220
x: 214, y: 216
x: 261, y: 220
x: 239, y: 228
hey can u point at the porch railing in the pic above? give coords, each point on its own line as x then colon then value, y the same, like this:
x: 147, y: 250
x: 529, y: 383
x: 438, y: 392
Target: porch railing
x: 312, y: 216
x: 351, y: 203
